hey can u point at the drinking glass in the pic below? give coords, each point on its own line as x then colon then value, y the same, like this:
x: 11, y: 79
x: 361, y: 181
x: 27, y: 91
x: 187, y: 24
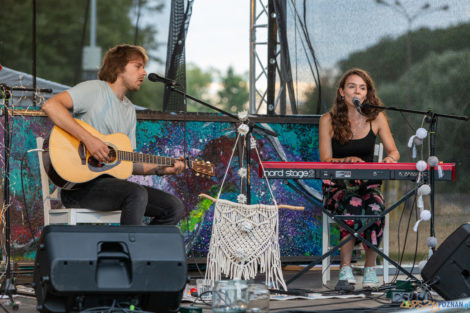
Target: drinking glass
x: 229, y: 296
x: 258, y: 298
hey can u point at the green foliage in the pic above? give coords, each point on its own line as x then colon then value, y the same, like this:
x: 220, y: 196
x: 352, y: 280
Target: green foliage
x: 198, y: 82
x: 386, y: 60
x: 149, y: 96
x: 59, y: 38
x: 440, y: 84
x: 328, y: 91
x: 234, y: 95
x: 59, y: 33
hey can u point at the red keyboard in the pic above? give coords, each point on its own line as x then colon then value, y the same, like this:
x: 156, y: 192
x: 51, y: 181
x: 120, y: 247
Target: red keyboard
x: 327, y: 170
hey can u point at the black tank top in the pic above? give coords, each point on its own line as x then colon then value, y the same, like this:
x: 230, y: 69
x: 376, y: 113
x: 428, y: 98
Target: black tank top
x: 362, y: 148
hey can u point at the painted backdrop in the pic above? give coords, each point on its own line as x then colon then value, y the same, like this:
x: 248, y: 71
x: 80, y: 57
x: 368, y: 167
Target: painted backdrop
x: 207, y: 137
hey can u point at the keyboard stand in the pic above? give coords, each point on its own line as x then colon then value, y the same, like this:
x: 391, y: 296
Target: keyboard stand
x: 340, y: 220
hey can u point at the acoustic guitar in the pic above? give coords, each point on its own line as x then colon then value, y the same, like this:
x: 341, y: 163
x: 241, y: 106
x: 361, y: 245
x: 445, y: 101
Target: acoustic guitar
x: 68, y: 163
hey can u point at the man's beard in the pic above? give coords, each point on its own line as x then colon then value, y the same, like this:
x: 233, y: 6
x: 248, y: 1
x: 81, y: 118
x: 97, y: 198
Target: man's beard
x: 132, y: 87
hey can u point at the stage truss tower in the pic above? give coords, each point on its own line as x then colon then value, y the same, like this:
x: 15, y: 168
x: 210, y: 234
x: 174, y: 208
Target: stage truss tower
x: 269, y: 59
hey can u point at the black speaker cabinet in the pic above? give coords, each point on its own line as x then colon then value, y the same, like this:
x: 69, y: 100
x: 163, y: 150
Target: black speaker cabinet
x: 448, y: 270
x: 83, y: 267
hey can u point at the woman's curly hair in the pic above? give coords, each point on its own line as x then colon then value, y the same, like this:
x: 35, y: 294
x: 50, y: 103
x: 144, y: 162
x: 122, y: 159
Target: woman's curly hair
x: 339, y: 112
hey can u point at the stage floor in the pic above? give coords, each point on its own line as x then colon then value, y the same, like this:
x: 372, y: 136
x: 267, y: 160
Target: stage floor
x: 375, y: 302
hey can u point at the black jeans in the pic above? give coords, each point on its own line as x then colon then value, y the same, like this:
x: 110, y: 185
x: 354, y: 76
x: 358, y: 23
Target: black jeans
x: 107, y: 193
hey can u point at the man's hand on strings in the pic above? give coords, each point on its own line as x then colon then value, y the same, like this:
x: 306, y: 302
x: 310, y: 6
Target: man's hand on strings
x: 98, y: 149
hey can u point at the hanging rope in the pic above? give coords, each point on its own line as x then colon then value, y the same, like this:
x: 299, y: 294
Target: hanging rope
x: 245, y: 237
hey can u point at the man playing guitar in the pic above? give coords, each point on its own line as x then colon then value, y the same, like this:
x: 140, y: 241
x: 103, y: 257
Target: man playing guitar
x: 103, y: 104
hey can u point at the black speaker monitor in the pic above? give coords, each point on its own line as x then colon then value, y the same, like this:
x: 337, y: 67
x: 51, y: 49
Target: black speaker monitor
x: 448, y: 270
x: 81, y: 267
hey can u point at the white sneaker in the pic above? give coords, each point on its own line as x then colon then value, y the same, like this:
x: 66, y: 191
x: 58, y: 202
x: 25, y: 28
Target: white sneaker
x: 370, y: 279
x: 345, y: 273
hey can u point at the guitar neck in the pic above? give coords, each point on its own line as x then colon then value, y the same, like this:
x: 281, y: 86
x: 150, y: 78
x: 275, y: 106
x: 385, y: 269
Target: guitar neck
x: 145, y: 158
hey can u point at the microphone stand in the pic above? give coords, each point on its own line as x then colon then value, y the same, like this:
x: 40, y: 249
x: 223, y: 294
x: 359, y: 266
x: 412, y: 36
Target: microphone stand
x: 250, y: 124
x: 8, y: 287
x: 5, y: 87
x: 431, y: 118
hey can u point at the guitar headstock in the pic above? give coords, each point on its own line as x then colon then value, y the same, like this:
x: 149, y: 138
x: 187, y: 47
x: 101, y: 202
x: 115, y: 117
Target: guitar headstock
x: 204, y: 168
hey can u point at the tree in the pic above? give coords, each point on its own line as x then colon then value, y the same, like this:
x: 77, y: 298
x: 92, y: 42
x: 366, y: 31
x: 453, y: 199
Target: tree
x: 440, y: 85
x: 149, y: 96
x: 198, y: 82
x: 386, y: 60
x: 234, y: 95
x: 59, y: 33
x: 328, y: 92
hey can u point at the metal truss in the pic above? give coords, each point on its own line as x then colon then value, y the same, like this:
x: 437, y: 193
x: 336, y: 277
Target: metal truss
x: 266, y: 56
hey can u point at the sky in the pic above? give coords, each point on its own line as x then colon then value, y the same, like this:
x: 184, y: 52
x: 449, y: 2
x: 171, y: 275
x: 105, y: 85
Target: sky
x: 219, y: 30
x: 218, y: 34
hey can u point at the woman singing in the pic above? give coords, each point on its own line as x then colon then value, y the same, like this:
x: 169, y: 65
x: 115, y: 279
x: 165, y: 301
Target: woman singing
x: 348, y: 134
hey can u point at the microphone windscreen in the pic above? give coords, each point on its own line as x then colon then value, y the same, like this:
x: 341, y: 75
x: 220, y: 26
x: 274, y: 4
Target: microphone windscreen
x: 357, y: 101
x: 153, y: 77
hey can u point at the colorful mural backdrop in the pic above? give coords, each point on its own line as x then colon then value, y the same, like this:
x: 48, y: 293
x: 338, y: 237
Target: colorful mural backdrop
x: 209, y: 140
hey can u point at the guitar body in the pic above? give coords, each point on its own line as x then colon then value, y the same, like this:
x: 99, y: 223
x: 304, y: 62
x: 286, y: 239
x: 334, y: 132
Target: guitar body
x: 73, y: 164
x: 68, y: 163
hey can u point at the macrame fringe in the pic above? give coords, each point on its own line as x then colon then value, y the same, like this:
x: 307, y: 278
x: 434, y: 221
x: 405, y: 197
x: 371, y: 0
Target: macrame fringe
x: 237, y: 252
x: 245, y: 237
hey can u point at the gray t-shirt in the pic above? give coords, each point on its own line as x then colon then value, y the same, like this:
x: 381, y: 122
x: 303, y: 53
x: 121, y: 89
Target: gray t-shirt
x: 95, y: 103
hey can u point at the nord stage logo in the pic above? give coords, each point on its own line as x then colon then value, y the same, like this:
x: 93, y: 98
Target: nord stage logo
x: 289, y: 173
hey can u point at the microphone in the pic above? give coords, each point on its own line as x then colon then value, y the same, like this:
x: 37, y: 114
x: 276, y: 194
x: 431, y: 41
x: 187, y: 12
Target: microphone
x: 157, y: 78
x: 360, y: 106
x: 357, y: 103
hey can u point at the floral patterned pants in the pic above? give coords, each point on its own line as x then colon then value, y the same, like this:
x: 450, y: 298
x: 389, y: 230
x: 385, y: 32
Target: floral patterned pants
x: 356, y: 197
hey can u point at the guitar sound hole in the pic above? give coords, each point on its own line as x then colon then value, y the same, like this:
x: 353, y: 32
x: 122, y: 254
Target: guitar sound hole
x: 112, y: 154
x: 112, y: 158
x: 94, y: 162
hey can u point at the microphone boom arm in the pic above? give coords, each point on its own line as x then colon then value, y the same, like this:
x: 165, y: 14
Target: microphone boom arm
x: 429, y: 112
x: 267, y: 131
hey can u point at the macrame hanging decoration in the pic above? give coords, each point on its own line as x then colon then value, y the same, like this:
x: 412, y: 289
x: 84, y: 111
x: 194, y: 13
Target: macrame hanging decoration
x: 245, y: 236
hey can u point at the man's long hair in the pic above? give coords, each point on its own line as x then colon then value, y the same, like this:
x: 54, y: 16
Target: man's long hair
x: 116, y: 59
x: 339, y: 112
